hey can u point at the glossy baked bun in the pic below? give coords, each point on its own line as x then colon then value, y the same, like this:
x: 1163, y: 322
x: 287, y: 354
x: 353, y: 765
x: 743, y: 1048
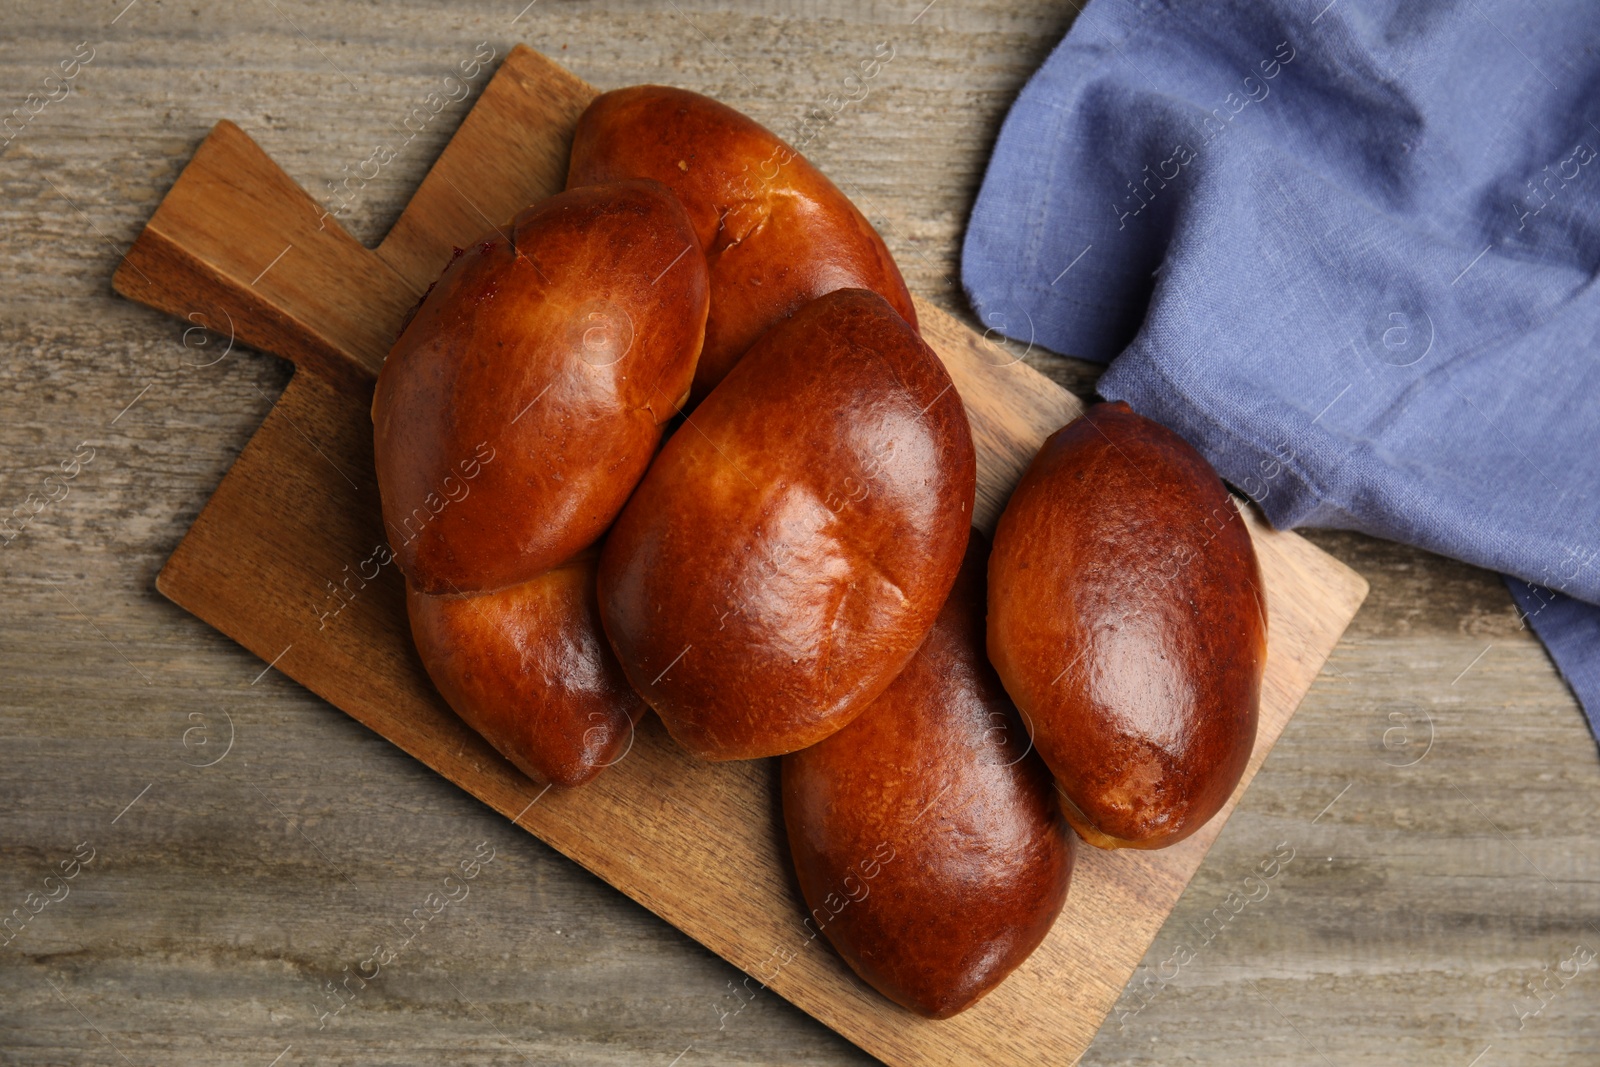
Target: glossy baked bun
x: 528, y: 667
x: 559, y: 352
x: 926, y: 835
x: 794, y: 540
x: 776, y: 233
x: 516, y: 412
x: 1128, y: 622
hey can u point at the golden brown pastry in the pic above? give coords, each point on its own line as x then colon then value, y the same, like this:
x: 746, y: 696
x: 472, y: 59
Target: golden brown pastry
x: 926, y: 836
x: 1128, y: 622
x: 776, y: 232
x: 516, y: 412
x: 522, y: 403
x: 793, y: 542
x: 528, y: 667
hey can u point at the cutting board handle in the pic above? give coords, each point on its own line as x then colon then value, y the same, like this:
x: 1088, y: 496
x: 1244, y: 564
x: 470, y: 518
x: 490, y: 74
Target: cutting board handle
x: 237, y: 246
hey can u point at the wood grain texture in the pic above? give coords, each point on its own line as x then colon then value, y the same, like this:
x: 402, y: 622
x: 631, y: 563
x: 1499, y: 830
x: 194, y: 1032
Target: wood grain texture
x: 288, y: 514
x: 224, y: 898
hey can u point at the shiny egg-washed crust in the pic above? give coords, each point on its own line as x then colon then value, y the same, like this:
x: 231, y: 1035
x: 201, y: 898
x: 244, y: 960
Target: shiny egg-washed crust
x: 1128, y: 622
x: 519, y: 407
x: 529, y: 668
x: 776, y: 232
x: 925, y: 834
x: 794, y: 540
x: 557, y: 354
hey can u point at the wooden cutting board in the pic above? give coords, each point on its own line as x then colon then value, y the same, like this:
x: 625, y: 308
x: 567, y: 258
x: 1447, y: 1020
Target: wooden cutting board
x: 283, y: 560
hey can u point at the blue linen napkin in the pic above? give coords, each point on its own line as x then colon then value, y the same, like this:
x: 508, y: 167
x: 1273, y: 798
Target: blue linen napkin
x: 1346, y: 249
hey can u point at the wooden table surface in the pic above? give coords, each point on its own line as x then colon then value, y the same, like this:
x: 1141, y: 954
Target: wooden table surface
x: 235, y: 845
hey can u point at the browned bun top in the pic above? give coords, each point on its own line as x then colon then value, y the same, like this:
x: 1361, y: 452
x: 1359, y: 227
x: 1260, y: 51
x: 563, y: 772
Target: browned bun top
x: 925, y: 834
x: 776, y: 232
x: 1127, y: 620
x: 523, y: 401
x: 794, y: 540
